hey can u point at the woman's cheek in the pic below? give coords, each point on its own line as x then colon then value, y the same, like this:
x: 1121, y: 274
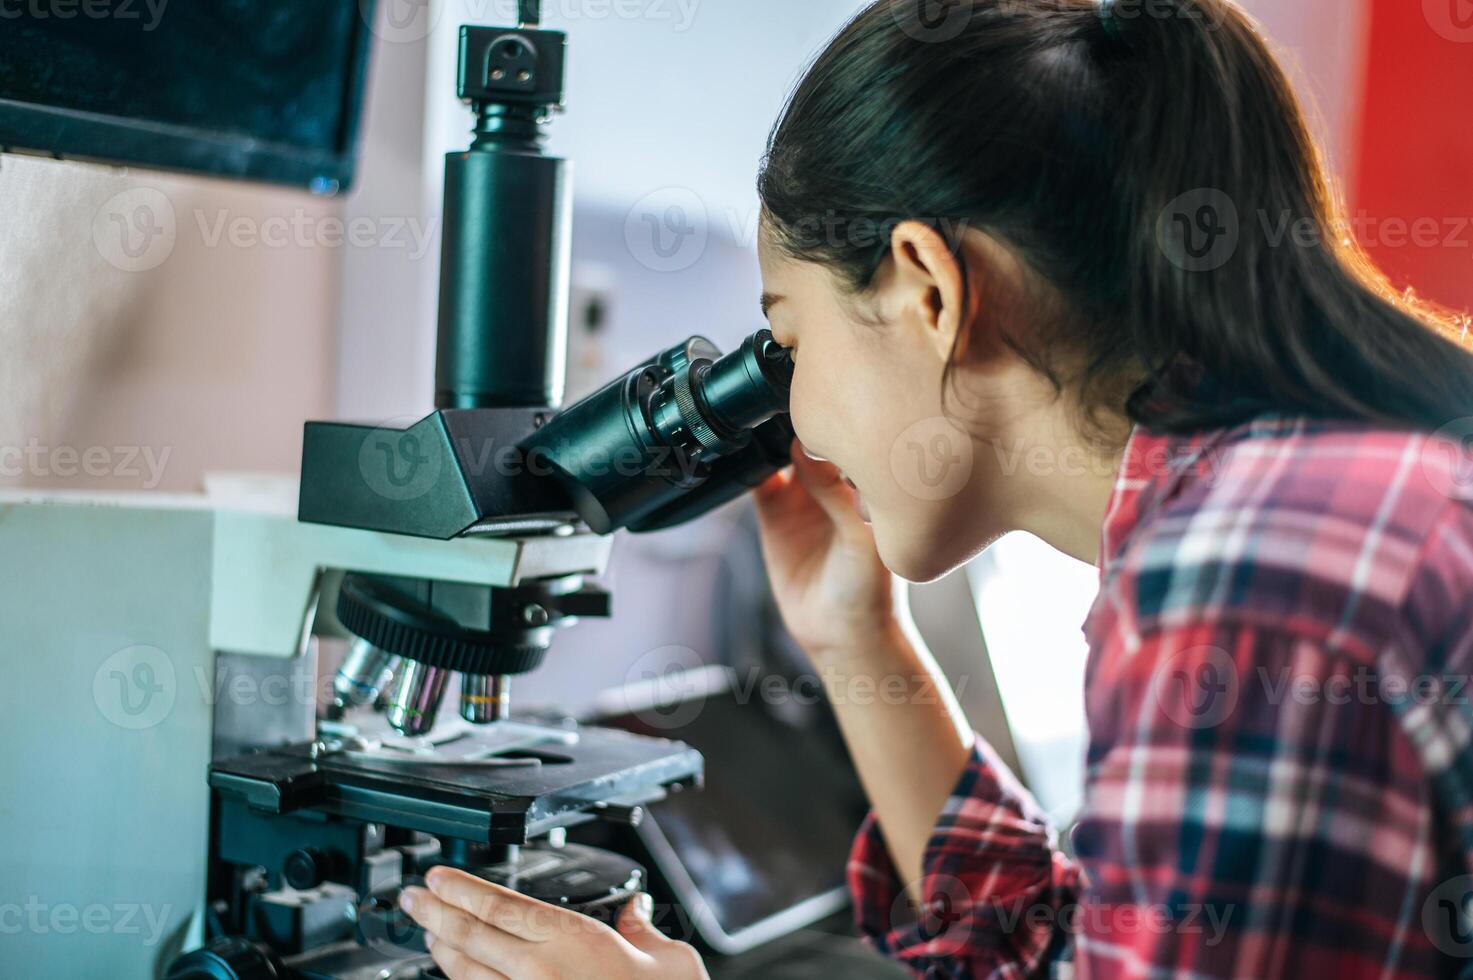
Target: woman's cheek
x: 806, y: 408
x: 903, y: 545
x: 920, y: 537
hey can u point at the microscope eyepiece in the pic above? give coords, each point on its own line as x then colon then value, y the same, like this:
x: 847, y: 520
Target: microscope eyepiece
x: 750, y: 386
x: 688, y: 421
x: 709, y: 404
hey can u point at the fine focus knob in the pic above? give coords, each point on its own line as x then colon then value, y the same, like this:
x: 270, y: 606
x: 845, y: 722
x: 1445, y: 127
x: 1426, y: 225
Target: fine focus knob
x: 305, y: 868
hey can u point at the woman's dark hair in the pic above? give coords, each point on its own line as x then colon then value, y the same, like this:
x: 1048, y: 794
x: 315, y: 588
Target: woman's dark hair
x: 1148, y: 163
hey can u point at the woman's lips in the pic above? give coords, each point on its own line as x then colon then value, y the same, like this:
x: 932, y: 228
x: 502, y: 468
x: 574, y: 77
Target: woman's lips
x: 858, y: 498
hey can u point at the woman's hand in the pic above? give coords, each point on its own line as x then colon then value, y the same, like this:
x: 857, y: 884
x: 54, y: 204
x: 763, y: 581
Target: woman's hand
x: 843, y: 607
x: 834, y: 593
x: 481, y: 931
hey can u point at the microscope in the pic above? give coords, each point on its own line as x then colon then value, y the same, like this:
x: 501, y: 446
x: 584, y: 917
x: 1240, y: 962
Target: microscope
x: 311, y: 842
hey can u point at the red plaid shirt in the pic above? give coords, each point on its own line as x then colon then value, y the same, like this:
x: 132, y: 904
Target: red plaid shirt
x: 1279, y: 781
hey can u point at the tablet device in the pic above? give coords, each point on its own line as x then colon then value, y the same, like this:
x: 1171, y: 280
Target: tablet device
x: 760, y: 851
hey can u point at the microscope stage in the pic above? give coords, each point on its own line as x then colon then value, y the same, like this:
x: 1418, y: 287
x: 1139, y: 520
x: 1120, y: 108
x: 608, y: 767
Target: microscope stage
x: 555, y: 785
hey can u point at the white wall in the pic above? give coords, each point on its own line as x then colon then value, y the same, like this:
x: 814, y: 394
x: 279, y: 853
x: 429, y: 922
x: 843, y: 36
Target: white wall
x: 141, y: 371
x: 1322, y: 43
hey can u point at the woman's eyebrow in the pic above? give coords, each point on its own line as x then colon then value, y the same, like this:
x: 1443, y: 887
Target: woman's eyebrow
x: 769, y: 300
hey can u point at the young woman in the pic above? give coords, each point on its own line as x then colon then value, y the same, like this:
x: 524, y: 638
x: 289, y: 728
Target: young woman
x: 1076, y: 269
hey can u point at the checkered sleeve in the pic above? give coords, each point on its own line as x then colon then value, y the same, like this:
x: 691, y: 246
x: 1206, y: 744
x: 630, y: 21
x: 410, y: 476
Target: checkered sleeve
x: 1254, y: 809
x: 992, y: 884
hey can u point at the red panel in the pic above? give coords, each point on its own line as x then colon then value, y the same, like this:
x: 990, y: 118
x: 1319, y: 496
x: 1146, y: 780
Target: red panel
x: 1413, y: 202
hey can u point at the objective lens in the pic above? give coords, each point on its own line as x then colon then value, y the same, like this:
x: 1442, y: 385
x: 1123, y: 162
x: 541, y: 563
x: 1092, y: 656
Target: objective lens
x: 362, y: 674
x: 484, y: 699
x: 415, y: 700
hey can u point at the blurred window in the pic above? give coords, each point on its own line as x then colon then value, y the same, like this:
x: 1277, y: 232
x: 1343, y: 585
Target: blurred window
x: 1032, y: 601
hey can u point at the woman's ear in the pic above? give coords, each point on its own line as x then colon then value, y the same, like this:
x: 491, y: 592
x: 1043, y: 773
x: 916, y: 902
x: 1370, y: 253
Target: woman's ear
x: 941, y: 291
x: 926, y: 287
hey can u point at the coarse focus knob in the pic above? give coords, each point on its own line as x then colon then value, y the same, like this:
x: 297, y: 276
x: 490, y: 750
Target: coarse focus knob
x: 412, y: 629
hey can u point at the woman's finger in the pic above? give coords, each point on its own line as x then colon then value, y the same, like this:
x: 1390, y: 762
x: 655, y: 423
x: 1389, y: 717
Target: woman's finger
x: 509, y: 911
x: 781, y: 499
x: 458, y: 929
x: 774, y: 487
x: 826, y: 485
x: 457, y: 965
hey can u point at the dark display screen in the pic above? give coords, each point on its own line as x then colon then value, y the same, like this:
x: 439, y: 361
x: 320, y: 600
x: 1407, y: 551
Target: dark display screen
x: 774, y: 822
x: 241, y: 79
